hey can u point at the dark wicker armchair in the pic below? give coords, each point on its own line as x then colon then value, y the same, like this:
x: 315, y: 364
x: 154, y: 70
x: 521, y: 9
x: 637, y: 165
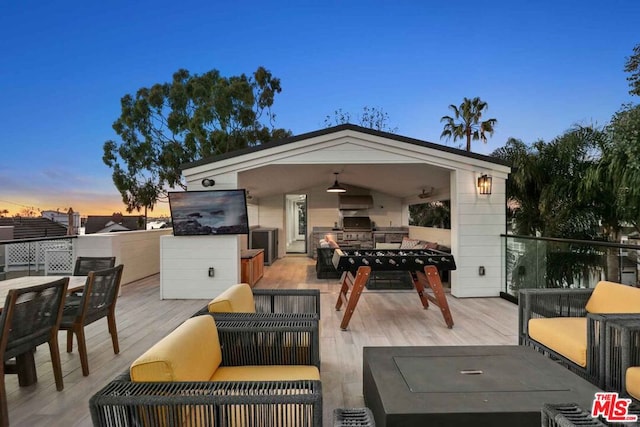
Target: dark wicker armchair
x: 93, y: 302
x: 85, y: 264
x: 226, y: 403
x: 30, y: 317
x: 574, y: 303
x: 622, y: 351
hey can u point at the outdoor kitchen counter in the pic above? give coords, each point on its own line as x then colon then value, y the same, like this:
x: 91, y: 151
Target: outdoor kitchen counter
x: 375, y: 230
x: 379, y: 234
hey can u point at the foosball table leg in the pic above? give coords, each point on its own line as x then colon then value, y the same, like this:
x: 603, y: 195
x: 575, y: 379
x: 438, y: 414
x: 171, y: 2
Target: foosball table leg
x: 432, y: 278
x: 420, y: 289
x: 351, y: 287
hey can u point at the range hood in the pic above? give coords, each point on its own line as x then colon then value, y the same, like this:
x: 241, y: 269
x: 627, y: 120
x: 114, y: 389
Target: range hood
x: 349, y: 203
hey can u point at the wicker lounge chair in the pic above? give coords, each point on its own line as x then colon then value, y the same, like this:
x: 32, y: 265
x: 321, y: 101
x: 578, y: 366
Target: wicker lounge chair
x: 569, y: 325
x: 287, y: 402
x: 622, y: 350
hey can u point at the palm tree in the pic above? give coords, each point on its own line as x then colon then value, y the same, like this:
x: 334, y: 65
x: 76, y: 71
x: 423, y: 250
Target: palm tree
x: 466, y: 122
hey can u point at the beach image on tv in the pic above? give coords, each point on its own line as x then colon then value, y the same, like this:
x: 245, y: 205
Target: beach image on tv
x: 209, y: 212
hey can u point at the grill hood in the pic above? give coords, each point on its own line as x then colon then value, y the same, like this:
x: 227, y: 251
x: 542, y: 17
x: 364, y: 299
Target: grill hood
x: 346, y: 202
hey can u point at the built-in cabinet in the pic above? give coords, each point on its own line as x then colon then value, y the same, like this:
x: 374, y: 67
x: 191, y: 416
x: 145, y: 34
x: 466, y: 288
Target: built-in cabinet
x: 251, y: 266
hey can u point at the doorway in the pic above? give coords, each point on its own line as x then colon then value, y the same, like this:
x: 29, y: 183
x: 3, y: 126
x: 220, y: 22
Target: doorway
x: 296, y: 223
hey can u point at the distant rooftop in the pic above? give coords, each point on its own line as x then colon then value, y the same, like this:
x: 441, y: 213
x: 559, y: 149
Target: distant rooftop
x: 111, y: 223
x: 31, y: 228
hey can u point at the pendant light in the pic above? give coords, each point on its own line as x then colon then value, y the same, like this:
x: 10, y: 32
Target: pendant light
x: 336, y: 188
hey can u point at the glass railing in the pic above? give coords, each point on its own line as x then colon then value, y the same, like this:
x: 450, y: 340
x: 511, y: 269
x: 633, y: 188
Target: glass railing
x: 539, y: 262
x: 32, y: 257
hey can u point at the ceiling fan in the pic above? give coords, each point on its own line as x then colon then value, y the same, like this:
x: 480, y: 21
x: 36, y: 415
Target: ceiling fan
x: 426, y: 193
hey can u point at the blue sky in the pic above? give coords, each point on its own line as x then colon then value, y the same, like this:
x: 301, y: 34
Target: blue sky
x: 541, y: 66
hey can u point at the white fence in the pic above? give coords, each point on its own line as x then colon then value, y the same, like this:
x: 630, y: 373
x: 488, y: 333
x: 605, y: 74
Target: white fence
x: 52, y: 256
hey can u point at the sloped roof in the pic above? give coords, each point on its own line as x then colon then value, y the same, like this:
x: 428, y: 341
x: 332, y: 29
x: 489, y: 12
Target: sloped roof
x: 31, y: 228
x: 97, y: 223
x: 339, y: 128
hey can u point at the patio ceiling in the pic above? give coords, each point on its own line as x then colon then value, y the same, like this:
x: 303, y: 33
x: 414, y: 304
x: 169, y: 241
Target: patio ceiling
x: 404, y: 181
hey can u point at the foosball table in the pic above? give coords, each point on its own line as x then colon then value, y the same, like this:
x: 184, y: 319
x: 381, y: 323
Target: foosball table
x: 422, y: 264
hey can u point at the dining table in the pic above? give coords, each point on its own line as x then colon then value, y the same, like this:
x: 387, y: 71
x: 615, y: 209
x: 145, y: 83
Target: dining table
x: 25, y: 363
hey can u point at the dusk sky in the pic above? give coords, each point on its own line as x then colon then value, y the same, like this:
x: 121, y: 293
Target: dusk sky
x: 542, y: 66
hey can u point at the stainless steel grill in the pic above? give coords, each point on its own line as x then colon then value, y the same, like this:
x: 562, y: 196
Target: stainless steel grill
x: 356, y: 223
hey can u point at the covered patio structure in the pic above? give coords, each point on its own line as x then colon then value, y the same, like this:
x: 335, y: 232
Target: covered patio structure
x: 395, y: 171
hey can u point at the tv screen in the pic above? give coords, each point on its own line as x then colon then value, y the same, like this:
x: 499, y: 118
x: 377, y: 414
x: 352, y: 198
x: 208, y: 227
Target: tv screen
x: 206, y: 213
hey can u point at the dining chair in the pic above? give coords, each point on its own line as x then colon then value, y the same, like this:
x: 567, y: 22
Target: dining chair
x: 97, y: 300
x: 30, y: 317
x: 85, y: 264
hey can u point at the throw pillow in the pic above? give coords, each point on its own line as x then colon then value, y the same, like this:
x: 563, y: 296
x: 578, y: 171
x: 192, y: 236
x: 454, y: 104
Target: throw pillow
x: 408, y: 243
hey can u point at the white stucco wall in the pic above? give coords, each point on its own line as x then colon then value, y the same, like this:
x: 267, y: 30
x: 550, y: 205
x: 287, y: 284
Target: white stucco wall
x: 186, y: 261
x: 476, y: 224
x: 139, y: 251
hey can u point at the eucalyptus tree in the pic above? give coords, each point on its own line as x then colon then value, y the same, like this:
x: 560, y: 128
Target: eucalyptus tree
x: 371, y: 117
x: 466, y: 122
x: 189, y: 118
x: 632, y: 66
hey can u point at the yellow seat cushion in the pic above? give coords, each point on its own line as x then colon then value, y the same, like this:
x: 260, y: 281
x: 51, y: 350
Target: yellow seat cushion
x: 266, y: 373
x: 236, y: 299
x: 565, y: 335
x: 190, y: 353
x: 610, y: 297
x: 633, y: 381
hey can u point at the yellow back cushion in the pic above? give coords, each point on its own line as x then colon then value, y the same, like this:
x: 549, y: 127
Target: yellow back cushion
x: 236, y: 299
x: 190, y: 353
x: 633, y: 381
x: 610, y: 297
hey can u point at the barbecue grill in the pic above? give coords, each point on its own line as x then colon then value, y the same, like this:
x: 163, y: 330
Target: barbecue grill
x: 357, y: 231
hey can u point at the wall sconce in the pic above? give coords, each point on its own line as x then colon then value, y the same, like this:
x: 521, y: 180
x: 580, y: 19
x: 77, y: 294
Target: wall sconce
x: 484, y: 184
x: 208, y: 182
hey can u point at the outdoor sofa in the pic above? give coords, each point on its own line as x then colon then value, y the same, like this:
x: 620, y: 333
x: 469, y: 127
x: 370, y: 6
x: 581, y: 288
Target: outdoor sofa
x: 223, y: 375
x: 570, y: 325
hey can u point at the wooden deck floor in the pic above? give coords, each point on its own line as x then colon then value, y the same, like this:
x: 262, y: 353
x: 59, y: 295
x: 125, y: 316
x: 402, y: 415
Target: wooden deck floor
x: 382, y: 318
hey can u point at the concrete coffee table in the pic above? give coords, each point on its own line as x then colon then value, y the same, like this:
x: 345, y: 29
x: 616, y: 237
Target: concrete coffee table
x: 466, y: 385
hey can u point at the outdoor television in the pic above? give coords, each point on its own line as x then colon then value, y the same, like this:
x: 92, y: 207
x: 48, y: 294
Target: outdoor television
x: 209, y: 213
